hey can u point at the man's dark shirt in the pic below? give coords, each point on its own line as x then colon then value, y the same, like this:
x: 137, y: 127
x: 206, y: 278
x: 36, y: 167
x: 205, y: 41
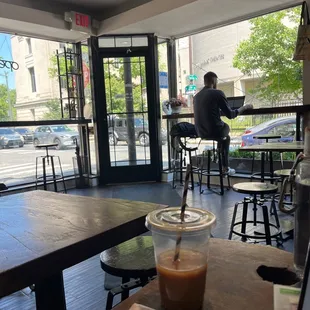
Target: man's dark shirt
x: 208, y: 104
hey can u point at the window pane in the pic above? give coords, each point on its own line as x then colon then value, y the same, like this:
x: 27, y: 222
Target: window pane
x: 33, y: 80
x: 123, y: 41
x: 106, y: 42
x: 139, y: 41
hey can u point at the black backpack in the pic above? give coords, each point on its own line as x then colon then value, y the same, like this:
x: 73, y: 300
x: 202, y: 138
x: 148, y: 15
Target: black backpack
x: 184, y: 130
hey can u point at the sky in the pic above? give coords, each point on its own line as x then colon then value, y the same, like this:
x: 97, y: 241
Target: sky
x: 6, y: 53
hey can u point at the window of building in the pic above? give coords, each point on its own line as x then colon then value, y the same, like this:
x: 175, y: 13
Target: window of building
x: 32, y: 79
x: 29, y: 46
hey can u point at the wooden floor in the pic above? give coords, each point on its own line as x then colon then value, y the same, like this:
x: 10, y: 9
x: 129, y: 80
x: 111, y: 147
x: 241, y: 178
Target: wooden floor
x: 84, y: 283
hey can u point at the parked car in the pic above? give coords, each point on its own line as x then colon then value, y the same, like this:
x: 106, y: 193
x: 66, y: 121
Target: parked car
x: 118, y: 131
x: 283, y: 126
x: 26, y: 133
x: 10, y: 138
x: 62, y: 135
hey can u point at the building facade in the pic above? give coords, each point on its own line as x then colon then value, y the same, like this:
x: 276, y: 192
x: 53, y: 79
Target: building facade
x: 34, y: 86
x: 214, y: 50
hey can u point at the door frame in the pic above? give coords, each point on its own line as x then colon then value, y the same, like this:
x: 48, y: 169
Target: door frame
x: 124, y: 174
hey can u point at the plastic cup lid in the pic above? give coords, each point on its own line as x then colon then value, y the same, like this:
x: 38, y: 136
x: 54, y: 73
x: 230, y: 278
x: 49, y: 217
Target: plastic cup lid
x: 169, y: 219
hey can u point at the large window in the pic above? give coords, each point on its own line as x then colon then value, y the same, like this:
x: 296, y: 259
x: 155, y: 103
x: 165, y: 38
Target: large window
x: 32, y: 93
x: 251, y: 61
x: 32, y: 79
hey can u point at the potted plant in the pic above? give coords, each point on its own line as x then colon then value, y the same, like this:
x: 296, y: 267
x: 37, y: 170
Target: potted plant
x: 173, y: 106
x: 71, y: 108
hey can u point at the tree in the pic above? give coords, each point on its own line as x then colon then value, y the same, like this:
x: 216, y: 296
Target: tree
x: 6, y: 94
x: 54, y: 110
x: 268, y: 52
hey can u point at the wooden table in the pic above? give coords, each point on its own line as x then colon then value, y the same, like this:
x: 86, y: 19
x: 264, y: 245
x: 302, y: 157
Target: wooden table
x: 42, y: 233
x: 232, y: 281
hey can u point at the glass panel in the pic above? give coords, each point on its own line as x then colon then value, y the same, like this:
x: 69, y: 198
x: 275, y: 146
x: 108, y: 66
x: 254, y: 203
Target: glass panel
x: 139, y: 41
x: 18, y: 154
x: 123, y: 41
x: 125, y: 85
x: 106, y: 42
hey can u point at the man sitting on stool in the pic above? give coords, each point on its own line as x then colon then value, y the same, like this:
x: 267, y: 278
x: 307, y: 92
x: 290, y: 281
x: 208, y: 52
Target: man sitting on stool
x: 208, y: 104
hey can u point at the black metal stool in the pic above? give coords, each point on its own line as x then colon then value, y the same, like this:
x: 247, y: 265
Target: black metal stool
x: 133, y: 259
x: 181, y: 134
x: 217, y: 158
x: 254, y: 188
x: 282, y: 174
x: 262, y: 175
x: 48, y: 160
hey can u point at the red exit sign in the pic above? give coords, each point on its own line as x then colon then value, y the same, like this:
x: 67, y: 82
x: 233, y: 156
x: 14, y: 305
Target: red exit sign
x: 82, y: 20
x: 79, y: 22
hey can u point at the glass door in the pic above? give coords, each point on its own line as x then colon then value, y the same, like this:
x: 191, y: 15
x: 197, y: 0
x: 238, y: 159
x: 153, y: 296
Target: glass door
x: 131, y: 140
x: 127, y: 111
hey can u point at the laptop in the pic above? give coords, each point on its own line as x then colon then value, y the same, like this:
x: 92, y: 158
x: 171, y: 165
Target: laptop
x: 236, y: 102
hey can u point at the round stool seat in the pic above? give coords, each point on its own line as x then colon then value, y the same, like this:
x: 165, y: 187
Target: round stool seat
x: 255, y: 188
x: 283, y: 173
x: 131, y: 259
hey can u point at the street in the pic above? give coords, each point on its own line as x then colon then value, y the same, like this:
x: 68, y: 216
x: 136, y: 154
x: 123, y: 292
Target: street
x: 18, y: 165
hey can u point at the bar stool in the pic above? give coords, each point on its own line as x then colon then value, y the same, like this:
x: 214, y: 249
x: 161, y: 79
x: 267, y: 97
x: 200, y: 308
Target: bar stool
x: 262, y: 175
x: 181, y: 136
x: 282, y: 174
x: 214, y: 155
x: 254, y: 189
x: 133, y: 259
x: 48, y: 160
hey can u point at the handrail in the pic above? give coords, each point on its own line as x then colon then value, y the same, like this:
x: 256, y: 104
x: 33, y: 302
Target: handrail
x: 45, y: 123
x: 260, y: 111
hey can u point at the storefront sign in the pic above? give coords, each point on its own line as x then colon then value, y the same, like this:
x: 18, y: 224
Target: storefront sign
x: 213, y: 59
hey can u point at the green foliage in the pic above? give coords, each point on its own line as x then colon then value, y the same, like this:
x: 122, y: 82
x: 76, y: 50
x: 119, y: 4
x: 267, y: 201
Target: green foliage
x: 54, y: 110
x: 114, y: 80
x: 275, y: 156
x: 268, y: 51
x: 4, y: 102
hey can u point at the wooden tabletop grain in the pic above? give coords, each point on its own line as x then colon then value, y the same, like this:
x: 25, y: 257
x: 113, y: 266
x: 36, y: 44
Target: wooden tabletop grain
x: 42, y: 233
x: 274, y: 147
x: 232, y: 280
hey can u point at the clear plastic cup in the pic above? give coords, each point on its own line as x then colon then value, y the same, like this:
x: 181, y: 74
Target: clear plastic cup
x: 181, y: 282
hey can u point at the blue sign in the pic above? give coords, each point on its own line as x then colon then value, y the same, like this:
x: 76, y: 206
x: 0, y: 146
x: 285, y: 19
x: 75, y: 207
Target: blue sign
x: 163, y: 79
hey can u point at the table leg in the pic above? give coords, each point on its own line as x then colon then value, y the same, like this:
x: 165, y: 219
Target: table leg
x: 50, y: 293
x: 262, y: 167
x: 271, y: 167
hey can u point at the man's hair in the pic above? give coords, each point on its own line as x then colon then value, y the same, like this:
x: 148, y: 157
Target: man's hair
x: 209, y: 77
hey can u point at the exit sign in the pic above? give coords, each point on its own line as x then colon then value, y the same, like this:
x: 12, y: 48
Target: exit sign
x: 81, y: 20
x: 78, y: 22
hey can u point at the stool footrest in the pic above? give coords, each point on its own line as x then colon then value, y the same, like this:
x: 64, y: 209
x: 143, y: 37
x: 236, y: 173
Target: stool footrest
x: 261, y: 235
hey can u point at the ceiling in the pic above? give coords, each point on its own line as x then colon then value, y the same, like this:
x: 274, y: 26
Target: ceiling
x: 166, y: 18
x: 194, y: 17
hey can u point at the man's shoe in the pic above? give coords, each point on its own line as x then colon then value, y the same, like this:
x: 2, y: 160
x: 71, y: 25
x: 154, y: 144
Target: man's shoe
x: 229, y: 171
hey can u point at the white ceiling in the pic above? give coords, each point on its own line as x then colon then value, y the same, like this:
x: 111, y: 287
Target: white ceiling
x: 166, y: 18
x: 194, y: 17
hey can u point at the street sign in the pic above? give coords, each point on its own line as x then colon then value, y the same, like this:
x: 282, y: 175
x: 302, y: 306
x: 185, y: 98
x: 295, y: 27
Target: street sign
x: 193, y: 77
x: 190, y: 89
x: 163, y: 79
